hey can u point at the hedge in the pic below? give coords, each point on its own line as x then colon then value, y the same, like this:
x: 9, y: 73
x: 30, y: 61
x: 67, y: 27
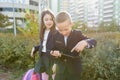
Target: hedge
x: 99, y: 63
x: 15, y: 51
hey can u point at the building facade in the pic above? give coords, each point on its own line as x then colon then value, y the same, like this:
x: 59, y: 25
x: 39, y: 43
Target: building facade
x: 92, y: 13
x: 81, y: 10
x: 109, y: 11
x: 17, y: 8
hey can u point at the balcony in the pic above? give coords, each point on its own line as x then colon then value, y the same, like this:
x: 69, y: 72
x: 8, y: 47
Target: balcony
x: 106, y: 7
x: 108, y: 11
x: 16, y: 5
x: 106, y: 2
x: 107, y: 20
x: 108, y: 16
x: 17, y: 14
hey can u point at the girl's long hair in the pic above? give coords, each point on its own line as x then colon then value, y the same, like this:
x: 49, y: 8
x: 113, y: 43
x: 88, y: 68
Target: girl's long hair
x: 42, y: 25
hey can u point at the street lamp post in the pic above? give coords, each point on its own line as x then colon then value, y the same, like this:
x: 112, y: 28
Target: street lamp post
x: 42, y: 5
x: 39, y: 12
x: 14, y: 24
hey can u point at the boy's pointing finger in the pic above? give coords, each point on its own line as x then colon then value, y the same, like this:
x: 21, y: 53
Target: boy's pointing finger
x: 73, y: 49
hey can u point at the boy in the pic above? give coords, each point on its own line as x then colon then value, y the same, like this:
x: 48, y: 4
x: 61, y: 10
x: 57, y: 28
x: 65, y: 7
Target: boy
x: 68, y: 44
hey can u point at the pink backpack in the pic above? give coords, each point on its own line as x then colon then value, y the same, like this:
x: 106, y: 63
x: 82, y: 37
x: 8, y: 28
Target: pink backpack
x: 43, y: 76
x: 28, y: 75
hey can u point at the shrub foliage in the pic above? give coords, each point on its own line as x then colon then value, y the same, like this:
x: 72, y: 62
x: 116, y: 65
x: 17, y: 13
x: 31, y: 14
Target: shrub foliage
x: 15, y: 51
x: 99, y: 63
x: 4, y: 21
x: 102, y: 62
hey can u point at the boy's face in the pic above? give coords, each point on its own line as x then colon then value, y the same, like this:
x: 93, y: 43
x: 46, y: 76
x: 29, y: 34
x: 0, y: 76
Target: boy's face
x: 65, y: 27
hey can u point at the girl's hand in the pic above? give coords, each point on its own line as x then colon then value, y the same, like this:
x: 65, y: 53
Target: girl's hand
x: 32, y: 52
x: 54, y: 68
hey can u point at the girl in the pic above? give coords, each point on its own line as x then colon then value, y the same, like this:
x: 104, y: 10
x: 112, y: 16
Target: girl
x: 47, y: 30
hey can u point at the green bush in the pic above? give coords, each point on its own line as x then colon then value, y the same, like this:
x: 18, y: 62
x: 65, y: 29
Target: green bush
x: 103, y: 62
x: 99, y: 63
x: 113, y: 26
x: 4, y: 21
x: 15, y: 51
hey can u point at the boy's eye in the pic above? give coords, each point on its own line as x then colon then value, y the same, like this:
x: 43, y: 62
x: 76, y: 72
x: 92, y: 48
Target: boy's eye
x: 60, y: 30
x: 63, y: 30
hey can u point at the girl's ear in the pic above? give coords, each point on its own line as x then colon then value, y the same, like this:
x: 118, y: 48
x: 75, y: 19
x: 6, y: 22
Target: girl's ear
x: 72, y: 23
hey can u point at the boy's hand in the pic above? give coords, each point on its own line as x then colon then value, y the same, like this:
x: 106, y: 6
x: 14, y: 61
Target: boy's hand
x: 55, y: 53
x: 32, y: 52
x: 80, y: 46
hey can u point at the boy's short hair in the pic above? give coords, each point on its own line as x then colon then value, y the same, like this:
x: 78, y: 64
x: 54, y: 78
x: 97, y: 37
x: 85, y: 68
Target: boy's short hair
x: 63, y: 16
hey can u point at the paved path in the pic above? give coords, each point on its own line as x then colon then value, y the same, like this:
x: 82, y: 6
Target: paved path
x: 4, y: 76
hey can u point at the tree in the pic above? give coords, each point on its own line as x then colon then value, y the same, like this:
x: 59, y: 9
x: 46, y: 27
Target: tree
x: 31, y: 25
x: 4, y: 21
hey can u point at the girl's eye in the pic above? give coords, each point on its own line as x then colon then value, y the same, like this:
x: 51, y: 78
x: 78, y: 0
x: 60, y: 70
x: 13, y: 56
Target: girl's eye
x: 46, y: 19
x: 51, y: 19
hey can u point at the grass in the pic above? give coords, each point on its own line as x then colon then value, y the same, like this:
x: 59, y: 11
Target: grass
x: 11, y: 74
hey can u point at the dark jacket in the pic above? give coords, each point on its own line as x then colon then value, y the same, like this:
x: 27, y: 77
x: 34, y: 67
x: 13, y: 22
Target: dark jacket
x: 72, y: 62
x: 45, y: 61
x: 49, y: 44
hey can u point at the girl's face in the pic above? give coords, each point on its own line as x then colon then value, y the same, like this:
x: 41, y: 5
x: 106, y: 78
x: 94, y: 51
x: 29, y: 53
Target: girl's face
x: 48, y: 21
